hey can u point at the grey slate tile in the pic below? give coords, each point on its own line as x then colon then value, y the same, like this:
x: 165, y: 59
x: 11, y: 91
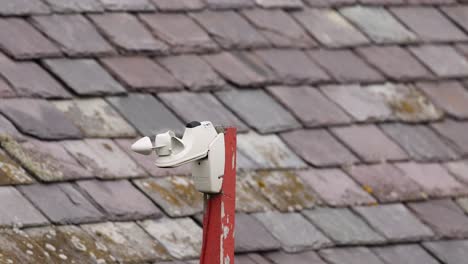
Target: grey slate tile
x: 201, y: 107
x: 409, y: 254
x: 453, y: 252
x: 127, y: 5
x: 229, y: 4
x: 259, y: 110
x: 249, y: 200
x: 454, y: 132
x: 74, y: 6
x: 450, y: 96
x: 308, y: 257
x: 252, y: 236
x: 120, y: 200
x: 23, y: 7
x: 11, y: 173
x: 318, y: 147
x: 395, y: 222
x: 6, y: 90
x: 286, y: 4
x: 17, y: 210
x: 39, y: 118
x: 7, y: 128
x: 16, y: 245
x: 458, y: 169
x: 457, y: 14
x: 62, y: 203
x: 142, y: 111
x: 419, y: 142
x: 463, y: 203
x: 178, y: 5
x: 280, y: 224
x: 343, y: 226
x: 350, y: 256
x: 443, y: 60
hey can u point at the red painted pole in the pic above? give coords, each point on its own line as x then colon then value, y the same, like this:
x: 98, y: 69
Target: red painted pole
x: 220, y: 211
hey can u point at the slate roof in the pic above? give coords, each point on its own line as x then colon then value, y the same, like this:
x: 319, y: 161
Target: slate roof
x: 352, y: 117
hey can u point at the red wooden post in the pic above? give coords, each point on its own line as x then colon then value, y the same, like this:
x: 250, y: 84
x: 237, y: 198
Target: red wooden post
x: 220, y: 211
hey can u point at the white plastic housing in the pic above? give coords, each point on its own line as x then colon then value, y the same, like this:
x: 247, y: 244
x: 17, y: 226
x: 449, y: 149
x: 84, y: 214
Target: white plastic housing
x: 208, y: 173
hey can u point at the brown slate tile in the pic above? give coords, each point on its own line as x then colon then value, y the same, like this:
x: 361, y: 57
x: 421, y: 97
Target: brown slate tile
x: 194, y: 72
x: 444, y: 217
x: 443, y: 60
x: 62, y: 203
x: 127, y: 33
x: 292, y: 66
x: 335, y: 188
x: 249, y: 200
x: 429, y: 24
x: 386, y: 182
x: 252, y: 236
x: 17, y: 247
x: 230, y: 29
x: 38, y: 118
x: 74, y: 6
x: 31, y: 44
x: 420, y: 142
x: 11, y: 173
x: 200, y: 107
x: 455, y: 132
x: 180, y: 32
x: 38, y: 84
x: 103, y: 158
x: 141, y: 74
x: 458, y: 13
x: 354, y: 255
x: 23, y: 7
x: 308, y: 257
x: 229, y: 4
x: 74, y: 33
x: 452, y: 251
x: 127, y: 5
x: 309, y: 105
x: 178, y: 5
x: 459, y: 169
x: 394, y: 62
x: 322, y: 149
x: 120, y: 200
x: 345, y: 66
x: 279, y: 28
x: 330, y: 28
x: 369, y: 143
x: 259, y: 110
x: 17, y: 210
x: 450, y: 96
x: 97, y: 82
x: 409, y: 254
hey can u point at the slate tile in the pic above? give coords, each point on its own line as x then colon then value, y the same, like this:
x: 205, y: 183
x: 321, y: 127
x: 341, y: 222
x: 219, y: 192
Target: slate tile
x: 194, y: 72
x: 141, y: 74
x: 32, y: 44
x: 454, y: 251
x: 279, y: 225
x: 345, y: 66
x: 201, y: 106
x: 11, y: 173
x: 23, y: 7
x: 103, y: 158
x: 330, y: 28
x: 292, y: 66
x: 350, y: 256
x: 378, y: 24
x: 252, y: 236
x: 120, y: 200
x: 17, y: 210
x: 444, y: 61
x: 236, y: 69
x: 410, y: 254
x: 6, y: 90
x: 343, y: 226
x: 95, y: 118
x: 335, y: 188
x: 429, y: 24
x: 127, y: 33
x: 387, y: 2
x: 178, y: 5
x: 71, y: 6
x: 279, y: 27
x: 7, y: 128
x: 394, y: 62
x: 141, y: 110
x: 127, y: 242
x: 284, y: 189
x: 17, y: 247
x: 248, y: 199
x: 444, y: 217
x: 259, y: 110
x: 249, y: 259
x: 243, y: 163
x: 176, y: 195
x: 147, y: 163
x: 322, y: 150
x: 74, y: 33
x: 229, y: 4
x: 62, y: 203
x: 230, y: 29
x: 455, y: 132
x: 286, y: 4
x: 369, y: 143
x: 433, y: 178
x: 450, y: 96
x: 463, y: 203
x: 38, y: 84
x: 48, y: 161
x: 127, y: 5
x: 308, y: 257
x: 309, y: 105
x: 395, y: 222
x: 181, y: 237
x: 421, y: 143
x: 386, y: 182
x: 459, y: 169
x: 38, y: 118
x: 458, y: 14
x: 180, y: 32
